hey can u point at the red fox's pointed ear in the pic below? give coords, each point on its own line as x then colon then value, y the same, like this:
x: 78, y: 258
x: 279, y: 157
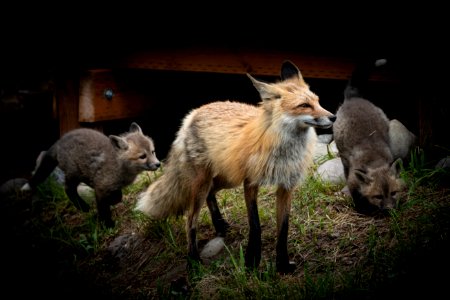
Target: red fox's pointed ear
x: 289, y: 70
x: 266, y: 91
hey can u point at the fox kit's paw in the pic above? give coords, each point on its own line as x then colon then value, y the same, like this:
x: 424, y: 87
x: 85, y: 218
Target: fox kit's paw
x: 26, y: 187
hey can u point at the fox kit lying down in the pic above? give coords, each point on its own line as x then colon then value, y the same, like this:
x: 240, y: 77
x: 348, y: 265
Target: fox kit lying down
x: 224, y: 144
x: 361, y: 133
x: 107, y: 164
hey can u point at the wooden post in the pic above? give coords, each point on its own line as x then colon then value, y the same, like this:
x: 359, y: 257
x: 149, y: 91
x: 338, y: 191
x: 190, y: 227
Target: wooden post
x: 67, y: 94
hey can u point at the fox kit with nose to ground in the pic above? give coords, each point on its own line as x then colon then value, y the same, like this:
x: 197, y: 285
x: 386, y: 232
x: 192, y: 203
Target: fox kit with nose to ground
x: 223, y: 144
x: 361, y: 133
x: 107, y: 164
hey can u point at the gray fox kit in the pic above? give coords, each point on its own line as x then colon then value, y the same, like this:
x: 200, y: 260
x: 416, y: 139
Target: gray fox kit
x: 107, y: 164
x: 361, y: 133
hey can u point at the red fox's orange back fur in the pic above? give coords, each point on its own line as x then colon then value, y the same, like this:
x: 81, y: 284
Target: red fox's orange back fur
x: 224, y: 144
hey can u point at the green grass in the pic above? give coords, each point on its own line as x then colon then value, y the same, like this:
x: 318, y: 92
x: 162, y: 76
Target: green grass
x: 339, y: 253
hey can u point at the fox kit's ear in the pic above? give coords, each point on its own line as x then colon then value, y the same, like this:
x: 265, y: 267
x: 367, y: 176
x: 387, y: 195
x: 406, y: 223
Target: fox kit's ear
x: 289, y: 70
x: 135, y: 127
x: 396, y: 166
x: 362, y: 176
x: 266, y: 91
x: 118, y: 142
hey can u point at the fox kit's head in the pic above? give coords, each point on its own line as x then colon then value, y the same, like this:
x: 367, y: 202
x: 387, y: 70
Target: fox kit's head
x: 136, y: 150
x: 291, y: 102
x: 376, y: 189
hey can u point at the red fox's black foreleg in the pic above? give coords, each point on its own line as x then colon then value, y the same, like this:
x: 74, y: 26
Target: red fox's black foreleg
x: 253, y: 252
x: 284, y: 199
x: 220, y: 224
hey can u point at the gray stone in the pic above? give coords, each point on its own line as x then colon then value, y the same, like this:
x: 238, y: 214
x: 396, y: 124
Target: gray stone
x: 325, y: 138
x: 331, y: 171
x: 444, y: 163
x: 213, y: 247
x: 401, y: 140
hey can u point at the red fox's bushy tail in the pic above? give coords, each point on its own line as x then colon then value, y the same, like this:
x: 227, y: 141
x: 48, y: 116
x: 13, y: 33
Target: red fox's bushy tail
x: 167, y: 195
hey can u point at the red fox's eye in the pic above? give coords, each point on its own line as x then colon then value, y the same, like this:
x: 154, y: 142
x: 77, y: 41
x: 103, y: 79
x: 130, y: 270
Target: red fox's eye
x: 143, y: 156
x: 303, y: 105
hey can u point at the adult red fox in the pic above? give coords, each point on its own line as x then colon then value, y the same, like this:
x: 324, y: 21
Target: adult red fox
x: 223, y: 144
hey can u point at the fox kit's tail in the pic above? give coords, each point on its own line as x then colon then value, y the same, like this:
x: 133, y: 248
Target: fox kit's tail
x: 167, y: 195
x: 360, y: 77
x: 45, y: 165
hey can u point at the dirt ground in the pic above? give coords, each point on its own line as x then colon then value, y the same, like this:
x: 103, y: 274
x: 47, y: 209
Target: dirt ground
x: 34, y: 265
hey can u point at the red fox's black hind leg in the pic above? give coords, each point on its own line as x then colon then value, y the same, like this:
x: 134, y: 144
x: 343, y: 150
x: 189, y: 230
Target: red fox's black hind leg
x: 193, y: 260
x: 220, y: 224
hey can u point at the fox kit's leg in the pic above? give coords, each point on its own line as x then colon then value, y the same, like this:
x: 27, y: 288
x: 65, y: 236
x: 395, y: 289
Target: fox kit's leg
x: 346, y: 165
x: 45, y: 167
x: 220, y: 224
x: 284, y: 199
x: 201, y: 185
x: 71, y: 185
x: 104, y: 199
x: 253, y: 252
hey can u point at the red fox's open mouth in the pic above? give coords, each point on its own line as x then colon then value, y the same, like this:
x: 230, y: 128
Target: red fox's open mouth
x: 321, y: 124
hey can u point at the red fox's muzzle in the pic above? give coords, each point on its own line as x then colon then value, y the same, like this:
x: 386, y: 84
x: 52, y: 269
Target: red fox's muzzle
x: 322, y: 122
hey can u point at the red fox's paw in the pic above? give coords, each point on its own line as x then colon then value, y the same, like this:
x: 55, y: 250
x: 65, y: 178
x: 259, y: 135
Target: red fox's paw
x: 286, y: 268
x: 109, y: 223
x: 193, y: 264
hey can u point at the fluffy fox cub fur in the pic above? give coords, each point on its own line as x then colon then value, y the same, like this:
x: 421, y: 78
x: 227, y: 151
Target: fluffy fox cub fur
x: 361, y: 132
x: 224, y: 144
x: 107, y: 164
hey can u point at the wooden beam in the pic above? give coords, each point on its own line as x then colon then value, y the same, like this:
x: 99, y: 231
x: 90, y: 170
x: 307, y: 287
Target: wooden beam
x: 244, y: 61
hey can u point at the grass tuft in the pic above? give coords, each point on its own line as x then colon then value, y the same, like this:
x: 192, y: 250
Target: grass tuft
x: 339, y: 253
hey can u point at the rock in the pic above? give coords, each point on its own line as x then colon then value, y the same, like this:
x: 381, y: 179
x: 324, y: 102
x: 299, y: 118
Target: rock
x: 331, y: 171
x: 86, y: 193
x: 401, y: 140
x: 213, y: 247
x: 324, y: 138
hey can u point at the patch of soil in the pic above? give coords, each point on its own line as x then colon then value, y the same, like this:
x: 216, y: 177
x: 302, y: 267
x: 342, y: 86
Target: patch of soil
x: 34, y: 265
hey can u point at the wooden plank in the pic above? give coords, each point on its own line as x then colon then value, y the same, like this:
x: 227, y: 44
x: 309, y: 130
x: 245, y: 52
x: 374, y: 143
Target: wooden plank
x: 126, y: 102
x: 244, y: 61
